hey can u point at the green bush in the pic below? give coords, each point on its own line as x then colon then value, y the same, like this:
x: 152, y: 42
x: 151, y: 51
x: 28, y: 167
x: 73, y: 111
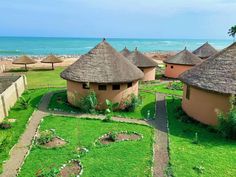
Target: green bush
x: 24, y: 102
x: 110, y: 110
x: 131, y: 103
x: 227, y: 124
x: 46, y: 136
x: 89, y: 103
x: 175, y: 86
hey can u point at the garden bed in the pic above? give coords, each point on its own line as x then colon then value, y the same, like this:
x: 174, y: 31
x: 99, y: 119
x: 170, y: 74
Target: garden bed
x: 117, y: 137
x: 146, y: 110
x: 120, y: 159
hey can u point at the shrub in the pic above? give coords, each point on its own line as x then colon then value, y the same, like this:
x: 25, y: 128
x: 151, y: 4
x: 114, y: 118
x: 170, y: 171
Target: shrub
x: 131, y: 103
x: 112, y: 136
x: 46, y: 136
x: 175, y: 86
x: 24, y: 102
x: 5, y: 125
x: 227, y: 122
x: 110, y: 109
x: 89, y: 103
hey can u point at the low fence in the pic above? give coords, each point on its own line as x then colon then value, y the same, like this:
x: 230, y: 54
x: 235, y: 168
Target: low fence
x: 9, y: 97
x: 2, y: 68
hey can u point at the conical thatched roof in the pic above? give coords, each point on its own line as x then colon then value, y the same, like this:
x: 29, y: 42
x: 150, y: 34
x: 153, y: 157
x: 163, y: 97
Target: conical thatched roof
x: 205, y: 51
x: 218, y: 73
x: 51, y: 59
x: 141, y: 60
x: 125, y: 52
x: 24, y: 60
x: 183, y: 58
x: 102, y: 64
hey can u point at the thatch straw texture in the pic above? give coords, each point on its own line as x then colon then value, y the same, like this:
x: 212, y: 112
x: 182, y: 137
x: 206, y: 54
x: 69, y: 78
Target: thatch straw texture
x: 24, y: 60
x: 218, y: 73
x: 51, y: 59
x: 125, y: 52
x: 183, y: 58
x: 205, y: 51
x: 140, y: 60
x: 102, y: 64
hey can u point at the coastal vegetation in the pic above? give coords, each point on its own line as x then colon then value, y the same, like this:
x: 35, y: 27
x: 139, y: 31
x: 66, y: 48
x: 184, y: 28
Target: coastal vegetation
x: 232, y: 31
x: 124, y: 158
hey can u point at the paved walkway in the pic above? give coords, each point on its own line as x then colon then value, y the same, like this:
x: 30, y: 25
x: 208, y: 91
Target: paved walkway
x: 161, y: 155
x: 22, y: 148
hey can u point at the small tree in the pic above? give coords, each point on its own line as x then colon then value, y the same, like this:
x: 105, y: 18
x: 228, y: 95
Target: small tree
x: 232, y: 31
x: 227, y: 123
x: 110, y: 109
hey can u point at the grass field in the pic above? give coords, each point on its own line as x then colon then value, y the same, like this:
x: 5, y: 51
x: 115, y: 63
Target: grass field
x: 44, y: 78
x: 129, y: 158
x: 212, y: 156
x: 9, y: 137
x: 162, y: 88
x: 141, y: 112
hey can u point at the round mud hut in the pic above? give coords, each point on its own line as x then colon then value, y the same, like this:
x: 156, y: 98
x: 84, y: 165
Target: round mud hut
x: 125, y: 52
x: 179, y: 63
x: 209, y: 86
x: 144, y: 63
x: 24, y: 60
x: 51, y: 59
x: 205, y: 51
x: 106, y: 72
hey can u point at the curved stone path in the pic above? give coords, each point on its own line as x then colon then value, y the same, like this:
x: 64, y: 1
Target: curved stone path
x: 19, y: 152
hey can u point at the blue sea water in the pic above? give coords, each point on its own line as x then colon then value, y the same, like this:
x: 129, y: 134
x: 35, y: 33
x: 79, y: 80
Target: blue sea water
x: 72, y: 46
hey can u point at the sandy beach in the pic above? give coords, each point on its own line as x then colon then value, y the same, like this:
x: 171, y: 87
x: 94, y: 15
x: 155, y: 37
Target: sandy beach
x: 69, y: 59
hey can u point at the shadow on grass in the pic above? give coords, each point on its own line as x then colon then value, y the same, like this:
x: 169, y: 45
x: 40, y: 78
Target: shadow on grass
x: 148, y: 112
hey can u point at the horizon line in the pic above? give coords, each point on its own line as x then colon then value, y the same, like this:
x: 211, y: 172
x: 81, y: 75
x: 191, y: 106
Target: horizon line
x: 71, y: 37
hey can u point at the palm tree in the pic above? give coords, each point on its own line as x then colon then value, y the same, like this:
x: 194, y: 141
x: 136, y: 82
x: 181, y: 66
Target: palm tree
x: 232, y: 31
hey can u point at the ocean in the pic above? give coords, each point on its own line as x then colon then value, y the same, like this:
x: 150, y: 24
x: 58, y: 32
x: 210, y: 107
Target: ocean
x: 13, y: 46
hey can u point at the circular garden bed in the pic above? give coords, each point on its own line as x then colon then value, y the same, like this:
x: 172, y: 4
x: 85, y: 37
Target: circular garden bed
x: 118, y: 137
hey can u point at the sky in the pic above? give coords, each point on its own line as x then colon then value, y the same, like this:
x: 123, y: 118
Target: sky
x: 180, y: 19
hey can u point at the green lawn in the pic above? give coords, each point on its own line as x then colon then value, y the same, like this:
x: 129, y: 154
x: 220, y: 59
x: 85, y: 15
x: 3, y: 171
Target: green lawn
x: 9, y: 137
x: 44, y: 78
x: 214, y: 154
x: 129, y: 158
x: 162, y: 88
x: 141, y: 112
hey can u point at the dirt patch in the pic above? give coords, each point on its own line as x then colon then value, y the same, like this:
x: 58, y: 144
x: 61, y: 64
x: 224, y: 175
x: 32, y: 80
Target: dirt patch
x: 73, y: 168
x: 107, y: 139
x: 55, y: 142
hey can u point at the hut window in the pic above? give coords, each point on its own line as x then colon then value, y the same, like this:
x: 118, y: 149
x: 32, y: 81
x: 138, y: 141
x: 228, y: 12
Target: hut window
x: 172, y: 67
x: 166, y: 65
x: 130, y: 84
x: 188, y: 92
x: 86, y: 85
x: 102, y: 87
x: 116, y: 87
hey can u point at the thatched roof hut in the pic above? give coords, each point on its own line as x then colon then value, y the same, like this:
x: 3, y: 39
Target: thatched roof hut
x: 24, y: 60
x: 218, y: 73
x: 183, y: 58
x: 209, y: 85
x: 140, y: 60
x: 125, y: 52
x: 205, y: 51
x: 102, y: 64
x: 51, y: 59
